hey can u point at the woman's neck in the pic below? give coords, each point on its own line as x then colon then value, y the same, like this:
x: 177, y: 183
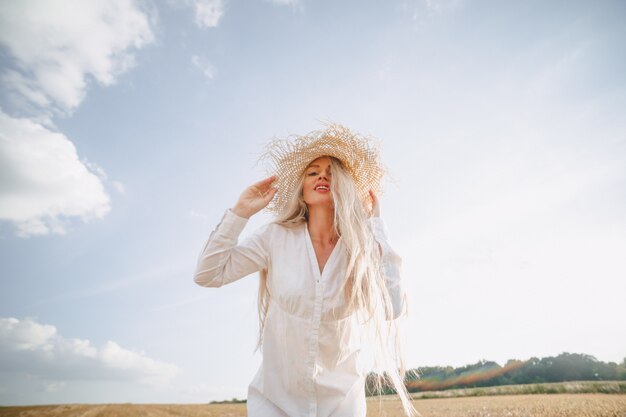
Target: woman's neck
x: 320, y: 225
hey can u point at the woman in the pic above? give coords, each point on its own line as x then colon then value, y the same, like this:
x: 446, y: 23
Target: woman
x: 330, y: 285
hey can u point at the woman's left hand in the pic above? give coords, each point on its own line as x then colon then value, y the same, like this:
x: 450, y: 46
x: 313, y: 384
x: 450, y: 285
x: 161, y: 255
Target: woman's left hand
x: 375, y: 205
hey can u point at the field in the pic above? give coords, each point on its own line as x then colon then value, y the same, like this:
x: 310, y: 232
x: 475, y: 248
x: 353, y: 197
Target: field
x: 578, y: 399
x: 536, y: 405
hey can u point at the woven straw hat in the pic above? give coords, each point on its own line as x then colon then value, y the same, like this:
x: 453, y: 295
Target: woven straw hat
x: 287, y: 159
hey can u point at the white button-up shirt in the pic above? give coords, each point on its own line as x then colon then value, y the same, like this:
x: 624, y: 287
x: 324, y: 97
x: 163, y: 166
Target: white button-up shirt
x: 311, y: 348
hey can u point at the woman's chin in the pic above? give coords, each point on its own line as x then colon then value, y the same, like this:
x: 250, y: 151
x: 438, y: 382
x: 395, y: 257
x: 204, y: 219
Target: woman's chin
x: 320, y: 203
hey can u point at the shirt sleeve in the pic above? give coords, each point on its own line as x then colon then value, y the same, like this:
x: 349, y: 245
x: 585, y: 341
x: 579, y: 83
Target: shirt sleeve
x: 391, y: 265
x: 224, y: 260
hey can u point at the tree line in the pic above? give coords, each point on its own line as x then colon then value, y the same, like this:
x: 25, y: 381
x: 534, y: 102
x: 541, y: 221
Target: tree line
x: 564, y: 367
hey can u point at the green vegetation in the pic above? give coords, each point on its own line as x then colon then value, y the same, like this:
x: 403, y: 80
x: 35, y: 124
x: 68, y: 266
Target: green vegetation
x: 574, y: 387
x: 540, y: 372
x: 233, y: 401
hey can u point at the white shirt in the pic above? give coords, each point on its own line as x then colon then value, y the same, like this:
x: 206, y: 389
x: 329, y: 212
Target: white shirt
x: 311, y: 352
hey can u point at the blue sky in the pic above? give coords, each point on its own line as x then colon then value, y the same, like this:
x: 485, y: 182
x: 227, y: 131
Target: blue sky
x: 127, y: 128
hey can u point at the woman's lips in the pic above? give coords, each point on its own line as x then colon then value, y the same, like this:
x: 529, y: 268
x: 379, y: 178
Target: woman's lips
x: 322, y: 188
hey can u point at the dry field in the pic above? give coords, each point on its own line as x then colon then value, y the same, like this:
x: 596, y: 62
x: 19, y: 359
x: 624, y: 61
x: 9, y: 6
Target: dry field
x: 537, y: 405
x: 534, y: 405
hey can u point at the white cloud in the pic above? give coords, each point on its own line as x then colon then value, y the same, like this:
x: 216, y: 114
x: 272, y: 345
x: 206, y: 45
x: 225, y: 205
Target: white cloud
x: 56, y: 46
x: 38, y: 350
x: 203, y: 65
x: 284, y: 2
x: 208, y: 13
x: 43, y: 179
x: 53, y: 49
x: 26, y: 335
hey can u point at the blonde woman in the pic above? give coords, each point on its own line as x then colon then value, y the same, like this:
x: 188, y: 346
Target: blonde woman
x: 330, y: 284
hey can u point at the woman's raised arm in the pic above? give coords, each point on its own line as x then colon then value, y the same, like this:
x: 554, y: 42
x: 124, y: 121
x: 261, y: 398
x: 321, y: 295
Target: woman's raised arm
x: 255, y: 197
x: 224, y: 260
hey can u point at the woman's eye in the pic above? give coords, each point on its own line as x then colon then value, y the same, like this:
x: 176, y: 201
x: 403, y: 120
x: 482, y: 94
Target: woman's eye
x: 312, y: 173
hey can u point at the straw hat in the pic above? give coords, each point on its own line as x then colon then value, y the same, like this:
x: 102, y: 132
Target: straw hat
x: 288, y: 158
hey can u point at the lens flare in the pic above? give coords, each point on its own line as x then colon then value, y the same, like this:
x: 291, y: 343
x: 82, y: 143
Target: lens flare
x: 435, y: 383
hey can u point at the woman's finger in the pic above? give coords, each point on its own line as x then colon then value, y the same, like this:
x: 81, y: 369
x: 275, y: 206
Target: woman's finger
x: 373, y: 195
x: 375, y: 206
x: 263, y: 186
x: 270, y: 195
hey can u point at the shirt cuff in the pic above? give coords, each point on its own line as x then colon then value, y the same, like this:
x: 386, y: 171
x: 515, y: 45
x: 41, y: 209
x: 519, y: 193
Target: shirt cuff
x: 232, y: 224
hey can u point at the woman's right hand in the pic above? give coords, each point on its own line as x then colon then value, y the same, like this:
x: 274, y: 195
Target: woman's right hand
x: 255, y: 198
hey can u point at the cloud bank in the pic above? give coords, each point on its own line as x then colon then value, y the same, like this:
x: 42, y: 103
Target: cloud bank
x: 43, y: 180
x: 28, y: 347
x: 56, y: 48
x: 53, y: 49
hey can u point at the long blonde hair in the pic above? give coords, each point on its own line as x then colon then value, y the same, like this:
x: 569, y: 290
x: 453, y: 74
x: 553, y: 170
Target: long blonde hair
x: 364, y: 287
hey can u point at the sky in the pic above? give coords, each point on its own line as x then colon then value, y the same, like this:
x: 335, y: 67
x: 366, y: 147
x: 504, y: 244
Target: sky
x: 127, y: 128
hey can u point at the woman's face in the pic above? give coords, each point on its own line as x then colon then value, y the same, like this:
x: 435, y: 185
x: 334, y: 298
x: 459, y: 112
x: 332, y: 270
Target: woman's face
x: 317, y: 179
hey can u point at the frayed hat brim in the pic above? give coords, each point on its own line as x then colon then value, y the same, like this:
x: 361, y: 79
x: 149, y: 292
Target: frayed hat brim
x: 287, y: 159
